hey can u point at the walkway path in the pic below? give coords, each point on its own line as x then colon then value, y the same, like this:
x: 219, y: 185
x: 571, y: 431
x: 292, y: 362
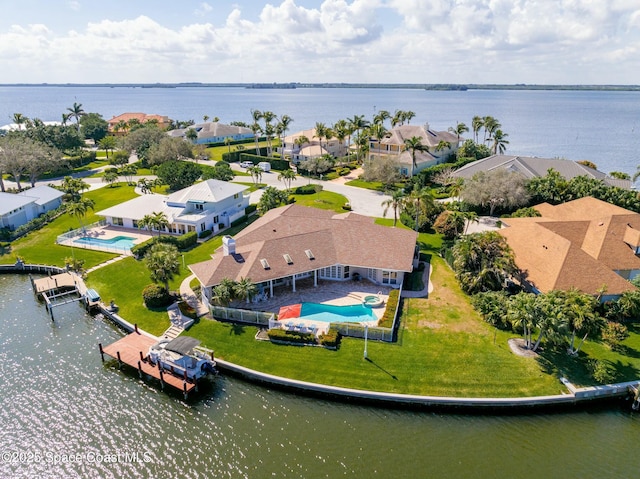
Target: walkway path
x: 190, y: 297
x: 106, y: 263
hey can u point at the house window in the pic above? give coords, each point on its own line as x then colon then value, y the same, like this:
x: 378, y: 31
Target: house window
x: 236, y: 196
x: 345, y: 272
x: 389, y: 277
x: 118, y: 221
x: 200, y: 206
x: 216, y: 219
x: 202, y: 227
x: 372, y: 274
x: 191, y: 228
x: 135, y: 224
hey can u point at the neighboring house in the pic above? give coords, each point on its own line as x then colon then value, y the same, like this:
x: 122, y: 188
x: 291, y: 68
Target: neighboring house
x: 214, y: 132
x: 163, y: 121
x: 586, y: 244
x: 294, y: 242
x: 532, y: 167
x: 393, y: 145
x: 210, y: 205
x: 313, y: 148
x: 18, y: 209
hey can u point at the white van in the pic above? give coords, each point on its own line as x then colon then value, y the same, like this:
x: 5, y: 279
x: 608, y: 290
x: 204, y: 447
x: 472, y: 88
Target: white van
x: 265, y: 165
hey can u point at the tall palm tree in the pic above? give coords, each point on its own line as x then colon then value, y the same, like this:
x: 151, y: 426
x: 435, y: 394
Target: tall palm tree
x: 108, y: 143
x: 459, y: 129
x: 490, y: 126
x: 256, y: 129
x: 476, y: 124
x: 419, y: 199
x: 282, y: 127
x: 395, y: 203
x: 408, y: 116
x: 397, y: 119
x: 163, y: 263
x: 413, y: 145
x: 499, y: 142
x: 321, y: 131
x: 358, y: 123
x: 79, y: 208
x: 340, y: 131
x: 378, y: 131
x: 381, y: 116
x: 76, y: 112
x: 256, y: 173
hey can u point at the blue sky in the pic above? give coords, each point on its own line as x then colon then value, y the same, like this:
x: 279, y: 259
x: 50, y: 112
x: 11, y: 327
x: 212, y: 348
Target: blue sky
x: 395, y: 41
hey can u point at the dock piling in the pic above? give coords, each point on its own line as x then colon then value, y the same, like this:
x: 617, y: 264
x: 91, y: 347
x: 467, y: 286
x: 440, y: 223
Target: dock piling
x: 140, y: 369
x: 101, y: 352
x: 119, y: 360
x: 161, y: 379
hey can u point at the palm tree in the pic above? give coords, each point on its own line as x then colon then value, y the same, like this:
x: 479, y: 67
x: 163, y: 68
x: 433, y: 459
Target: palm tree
x: 358, y: 123
x: 340, y: 131
x: 256, y: 173
x: 268, y: 117
x: 413, y: 145
x: 76, y: 112
x: 282, y: 127
x: 499, y: 142
x: 79, y: 208
x: 287, y: 176
x: 256, y: 129
x: 224, y: 292
x: 476, y: 124
x: 162, y: 261
x: 157, y: 220
x: 397, y: 119
x: 244, y: 289
x: 121, y: 126
x: 227, y: 141
x: 321, y: 131
x: 378, y: 131
x: 408, y: 115
x: 490, y: 126
x: 73, y: 187
x: 110, y: 177
x: 108, y: 143
x: 419, y: 199
x: 19, y: 119
x: 205, y: 118
x: 381, y: 117
x: 459, y: 130
x: 395, y: 203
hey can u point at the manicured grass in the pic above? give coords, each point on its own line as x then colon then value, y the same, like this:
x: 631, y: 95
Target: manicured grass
x: 325, y: 200
x: 371, y: 185
x: 443, y: 349
x: 38, y: 247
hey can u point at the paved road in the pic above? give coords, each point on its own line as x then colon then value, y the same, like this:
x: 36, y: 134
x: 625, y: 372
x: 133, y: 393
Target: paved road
x: 364, y: 202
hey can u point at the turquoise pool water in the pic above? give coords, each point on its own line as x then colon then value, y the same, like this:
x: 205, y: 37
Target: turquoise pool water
x: 329, y: 313
x: 118, y: 242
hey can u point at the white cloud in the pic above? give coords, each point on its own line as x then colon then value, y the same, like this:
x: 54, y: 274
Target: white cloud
x: 563, y: 41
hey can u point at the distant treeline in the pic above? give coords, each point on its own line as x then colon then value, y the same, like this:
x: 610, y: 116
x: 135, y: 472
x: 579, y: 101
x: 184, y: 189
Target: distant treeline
x: 293, y: 85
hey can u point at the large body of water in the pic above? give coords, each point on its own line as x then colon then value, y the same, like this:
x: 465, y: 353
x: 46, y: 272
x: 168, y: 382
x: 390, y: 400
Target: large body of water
x: 57, y: 400
x: 603, y: 127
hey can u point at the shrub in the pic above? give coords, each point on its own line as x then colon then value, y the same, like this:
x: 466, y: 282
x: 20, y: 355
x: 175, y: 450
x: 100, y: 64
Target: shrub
x: 156, y: 296
x: 308, y: 189
x: 187, y: 310
x: 614, y: 333
x: 184, y: 241
x: 239, y: 221
x: 330, y: 339
x: 602, y: 372
x: 250, y: 209
x: 331, y: 176
x: 204, y: 234
x: 181, y: 242
x: 298, y: 337
x: 386, y: 321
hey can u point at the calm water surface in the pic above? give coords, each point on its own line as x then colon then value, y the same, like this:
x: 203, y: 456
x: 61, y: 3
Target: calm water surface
x: 57, y: 398
x: 603, y: 127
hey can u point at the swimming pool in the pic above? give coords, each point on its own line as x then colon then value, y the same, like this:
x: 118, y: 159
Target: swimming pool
x: 330, y: 313
x: 117, y: 242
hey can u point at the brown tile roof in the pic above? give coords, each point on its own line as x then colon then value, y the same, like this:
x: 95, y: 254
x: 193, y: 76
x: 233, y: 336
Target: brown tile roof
x: 428, y: 137
x: 141, y: 117
x: 577, y: 244
x: 348, y: 239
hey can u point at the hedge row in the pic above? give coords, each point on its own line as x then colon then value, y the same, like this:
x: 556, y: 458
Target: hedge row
x: 181, y: 242
x: 275, y: 163
x: 389, y: 314
x: 308, y: 189
x: 235, y: 155
x: 330, y: 339
x: 291, y: 336
x: 34, y: 224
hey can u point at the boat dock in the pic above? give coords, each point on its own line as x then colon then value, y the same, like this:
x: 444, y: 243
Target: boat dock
x: 59, y: 289
x: 133, y: 350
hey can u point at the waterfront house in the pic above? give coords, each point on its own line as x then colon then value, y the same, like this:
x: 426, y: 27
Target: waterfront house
x: 209, y: 205
x: 314, y: 147
x: 294, y: 242
x: 440, y: 146
x: 18, y: 209
x: 163, y: 122
x: 214, y: 132
x: 531, y: 167
x: 586, y: 244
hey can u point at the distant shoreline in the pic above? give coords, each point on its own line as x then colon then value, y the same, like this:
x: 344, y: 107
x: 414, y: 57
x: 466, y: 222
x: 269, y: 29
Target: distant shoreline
x: 295, y: 85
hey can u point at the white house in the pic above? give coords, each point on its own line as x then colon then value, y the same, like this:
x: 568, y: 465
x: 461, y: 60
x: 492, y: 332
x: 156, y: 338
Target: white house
x: 18, y: 209
x: 209, y: 205
x: 214, y: 132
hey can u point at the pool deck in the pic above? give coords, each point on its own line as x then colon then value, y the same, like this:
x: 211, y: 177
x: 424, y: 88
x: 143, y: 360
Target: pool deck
x: 106, y: 233
x: 338, y: 293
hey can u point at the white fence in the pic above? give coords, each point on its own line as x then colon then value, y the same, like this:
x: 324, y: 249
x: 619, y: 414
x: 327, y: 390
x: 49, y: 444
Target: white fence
x: 259, y: 318
x: 79, y: 232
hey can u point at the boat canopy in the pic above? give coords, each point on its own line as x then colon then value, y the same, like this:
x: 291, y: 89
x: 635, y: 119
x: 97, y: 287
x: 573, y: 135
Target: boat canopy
x: 182, y: 345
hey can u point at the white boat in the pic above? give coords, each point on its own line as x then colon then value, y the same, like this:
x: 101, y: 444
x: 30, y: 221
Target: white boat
x: 181, y: 356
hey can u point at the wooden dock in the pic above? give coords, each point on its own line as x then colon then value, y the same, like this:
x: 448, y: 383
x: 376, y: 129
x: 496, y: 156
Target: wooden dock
x: 133, y: 349
x: 59, y: 289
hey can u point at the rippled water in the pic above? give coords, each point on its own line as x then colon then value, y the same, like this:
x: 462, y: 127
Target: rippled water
x: 57, y: 398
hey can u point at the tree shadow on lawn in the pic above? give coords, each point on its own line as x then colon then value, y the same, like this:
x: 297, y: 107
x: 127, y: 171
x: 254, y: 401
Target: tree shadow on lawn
x: 559, y: 363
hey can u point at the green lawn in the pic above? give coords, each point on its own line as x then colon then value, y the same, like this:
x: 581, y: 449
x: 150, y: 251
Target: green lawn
x: 38, y: 247
x: 371, y: 185
x: 325, y: 200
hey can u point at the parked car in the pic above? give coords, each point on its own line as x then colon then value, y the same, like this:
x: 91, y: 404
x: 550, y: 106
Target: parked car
x: 246, y: 164
x: 265, y: 165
